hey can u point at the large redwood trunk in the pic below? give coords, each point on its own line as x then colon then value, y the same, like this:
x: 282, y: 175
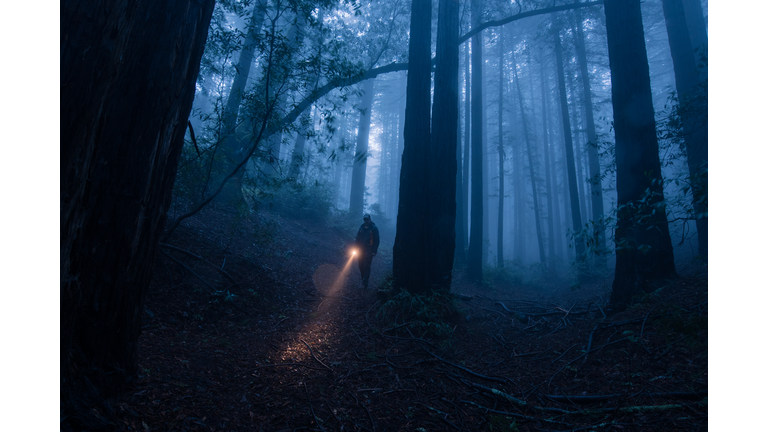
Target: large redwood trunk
x: 128, y: 72
x: 643, y: 246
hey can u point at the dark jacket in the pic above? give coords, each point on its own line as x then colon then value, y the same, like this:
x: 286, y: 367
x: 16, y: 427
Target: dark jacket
x: 367, y: 239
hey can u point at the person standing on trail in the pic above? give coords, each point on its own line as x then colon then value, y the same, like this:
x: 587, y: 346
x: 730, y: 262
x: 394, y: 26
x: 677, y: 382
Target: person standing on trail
x: 367, y: 242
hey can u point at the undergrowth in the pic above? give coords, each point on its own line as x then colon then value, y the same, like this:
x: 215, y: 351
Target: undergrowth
x: 435, y: 314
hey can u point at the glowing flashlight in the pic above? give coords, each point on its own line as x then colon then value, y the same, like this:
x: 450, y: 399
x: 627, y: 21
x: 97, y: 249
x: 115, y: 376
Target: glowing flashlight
x: 354, y: 252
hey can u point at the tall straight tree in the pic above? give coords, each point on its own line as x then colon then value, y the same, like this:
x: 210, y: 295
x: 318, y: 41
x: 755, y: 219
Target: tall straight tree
x: 596, y: 188
x: 643, y: 246
x: 467, y: 147
x: 442, y: 160
x: 357, y: 191
x: 475, y: 250
x: 410, y: 262
x: 128, y: 72
x: 689, y: 89
x: 529, y: 151
x: 547, y: 170
x: 500, y: 150
x: 568, y: 141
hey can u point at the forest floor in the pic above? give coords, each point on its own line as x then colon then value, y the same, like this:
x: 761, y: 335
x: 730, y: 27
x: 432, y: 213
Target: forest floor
x: 292, y: 342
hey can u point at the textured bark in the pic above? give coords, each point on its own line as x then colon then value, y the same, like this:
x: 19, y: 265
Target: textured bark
x: 568, y: 141
x: 691, y: 93
x: 461, y: 201
x: 475, y: 251
x: 410, y: 251
x: 128, y: 72
x: 360, y: 164
x: 442, y: 155
x: 644, y: 248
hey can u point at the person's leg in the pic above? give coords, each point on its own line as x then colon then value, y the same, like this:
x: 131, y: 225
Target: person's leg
x: 361, y: 266
x: 366, y: 269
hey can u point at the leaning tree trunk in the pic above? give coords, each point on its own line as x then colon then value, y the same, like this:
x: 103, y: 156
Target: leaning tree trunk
x: 643, y: 246
x: 475, y: 250
x: 410, y: 261
x: 232, y: 148
x: 128, y: 72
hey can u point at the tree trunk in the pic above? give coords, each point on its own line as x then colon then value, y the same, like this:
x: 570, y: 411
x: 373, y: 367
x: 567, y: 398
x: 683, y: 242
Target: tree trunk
x: 568, y: 140
x: 128, y: 73
x: 442, y: 154
x: 643, y: 246
x: 547, y: 170
x: 690, y: 90
x: 461, y: 203
x: 360, y: 163
x: 529, y: 151
x: 500, y: 149
x: 595, y: 175
x: 475, y: 250
x: 467, y: 148
x: 233, y: 147
x: 410, y: 252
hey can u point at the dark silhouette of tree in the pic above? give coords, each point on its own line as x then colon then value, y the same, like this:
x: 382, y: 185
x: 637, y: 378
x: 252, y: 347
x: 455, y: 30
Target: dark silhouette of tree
x: 443, y: 148
x: 128, y: 72
x: 410, y: 263
x: 475, y: 250
x: 643, y: 246
x: 691, y: 87
x: 568, y: 141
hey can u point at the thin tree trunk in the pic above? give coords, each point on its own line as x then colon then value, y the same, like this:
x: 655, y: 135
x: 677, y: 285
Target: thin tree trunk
x: 547, y: 171
x: 568, y: 141
x: 500, y: 149
x: 475, y: 251
x: 526, y: 135
x: 467, y: 147
x: 595, y: 174
x: 360, y: 163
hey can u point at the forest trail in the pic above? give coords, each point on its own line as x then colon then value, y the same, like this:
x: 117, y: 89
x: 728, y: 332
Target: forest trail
x: 297, y: 344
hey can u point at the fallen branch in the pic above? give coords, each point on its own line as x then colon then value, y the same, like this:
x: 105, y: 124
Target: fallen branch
x: 489, y: 378
x: 511, y: 414
x: 188, y: 253
x: 315, y: 357
x: 601, y: 398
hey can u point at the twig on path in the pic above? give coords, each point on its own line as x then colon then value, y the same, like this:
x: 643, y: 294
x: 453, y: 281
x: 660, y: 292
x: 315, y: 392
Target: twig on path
x: 489, y: 378
x: 317, y: 420
x: 315, y: 357
x: 596, y: 349
x: 601, y: 398
x: 589, y: 345
x: 199, y: 277
x: 287, y: 364
x: 564, y: 353
x: 188, y: 253
x: 445, y: 416
x: 511, y: 414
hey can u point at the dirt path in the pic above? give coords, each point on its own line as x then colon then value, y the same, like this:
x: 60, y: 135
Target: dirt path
x: 297, y: 345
